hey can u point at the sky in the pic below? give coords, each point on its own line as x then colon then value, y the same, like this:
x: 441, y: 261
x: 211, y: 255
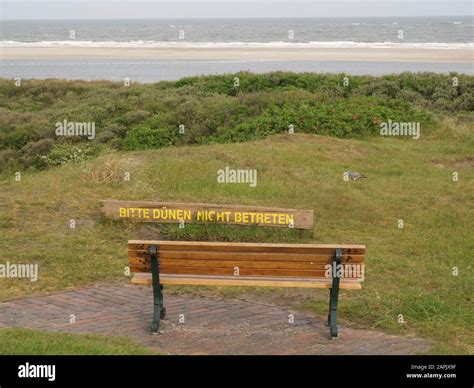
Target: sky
x: 109, y: 9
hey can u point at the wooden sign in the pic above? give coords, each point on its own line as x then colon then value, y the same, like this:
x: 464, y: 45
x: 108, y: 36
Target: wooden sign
x: 175, y: 212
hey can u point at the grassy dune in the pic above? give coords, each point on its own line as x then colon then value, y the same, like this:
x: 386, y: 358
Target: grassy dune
x: 408, y: 271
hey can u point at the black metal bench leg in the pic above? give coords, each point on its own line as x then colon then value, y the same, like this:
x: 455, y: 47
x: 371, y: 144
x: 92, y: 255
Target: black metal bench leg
x: 334, y: 295
x: 329, y: 309
x: 157, y: 294
x: 333, y: 312
x: 163, y: 308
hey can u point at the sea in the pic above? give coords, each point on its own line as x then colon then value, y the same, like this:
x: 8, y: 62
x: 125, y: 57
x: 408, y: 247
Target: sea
x: 442, y: 33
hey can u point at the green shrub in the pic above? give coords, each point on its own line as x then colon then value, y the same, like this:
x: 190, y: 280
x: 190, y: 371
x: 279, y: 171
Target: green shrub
x: 354, y: 117
x: 7, y: 159
x: 142, y: 137
x: 212, y: 109
x: 63, y: 153
x: 135, y: 117
x: 34, y: 151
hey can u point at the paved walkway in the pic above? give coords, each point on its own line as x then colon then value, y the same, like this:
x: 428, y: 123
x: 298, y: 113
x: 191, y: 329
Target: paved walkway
x: 210, y: 326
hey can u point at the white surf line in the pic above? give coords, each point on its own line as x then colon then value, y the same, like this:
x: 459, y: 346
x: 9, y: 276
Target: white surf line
x: 234, y: 45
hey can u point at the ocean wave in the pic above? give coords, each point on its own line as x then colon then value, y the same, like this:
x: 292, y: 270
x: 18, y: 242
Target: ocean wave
x: 185, y: 44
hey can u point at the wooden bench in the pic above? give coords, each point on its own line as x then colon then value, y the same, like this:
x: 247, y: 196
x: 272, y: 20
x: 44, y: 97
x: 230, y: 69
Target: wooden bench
x: 161, y: 263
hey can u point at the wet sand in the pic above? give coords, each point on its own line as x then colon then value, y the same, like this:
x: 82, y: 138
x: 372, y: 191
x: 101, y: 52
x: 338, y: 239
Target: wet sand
x: 250, y: 54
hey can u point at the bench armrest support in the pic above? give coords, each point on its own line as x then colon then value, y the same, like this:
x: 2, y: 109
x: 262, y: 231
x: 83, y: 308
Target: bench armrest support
x: 334, y: 293
x: 157, y: 290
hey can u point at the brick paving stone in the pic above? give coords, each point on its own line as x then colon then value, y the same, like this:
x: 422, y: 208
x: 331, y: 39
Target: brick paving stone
x: 212, y: 326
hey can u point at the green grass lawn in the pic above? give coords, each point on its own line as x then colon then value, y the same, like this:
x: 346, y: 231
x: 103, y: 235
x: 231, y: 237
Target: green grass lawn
x: 17, y: 341
x: 408, y: 271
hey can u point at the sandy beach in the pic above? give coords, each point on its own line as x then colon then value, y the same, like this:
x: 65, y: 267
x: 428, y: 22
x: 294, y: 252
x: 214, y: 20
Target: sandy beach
x: 251, y: 54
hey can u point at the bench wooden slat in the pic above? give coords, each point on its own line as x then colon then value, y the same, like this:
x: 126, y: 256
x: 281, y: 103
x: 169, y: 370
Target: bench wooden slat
x: 145, y: 279
x: 245, y: 247
x: 244, y: 256
x: 229, y: 271
x: 146, y: 267
x: 145, y: 264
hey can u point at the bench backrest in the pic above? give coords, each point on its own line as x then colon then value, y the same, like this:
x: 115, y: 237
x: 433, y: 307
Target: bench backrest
x: 243, y: 259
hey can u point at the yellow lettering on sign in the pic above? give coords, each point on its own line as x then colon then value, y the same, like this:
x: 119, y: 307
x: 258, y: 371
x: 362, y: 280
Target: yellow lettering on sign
x: 281, y: 219
x: 223, y: 216
x: 290, y: 219
x: 253, y: 218
x: 237, y: 217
